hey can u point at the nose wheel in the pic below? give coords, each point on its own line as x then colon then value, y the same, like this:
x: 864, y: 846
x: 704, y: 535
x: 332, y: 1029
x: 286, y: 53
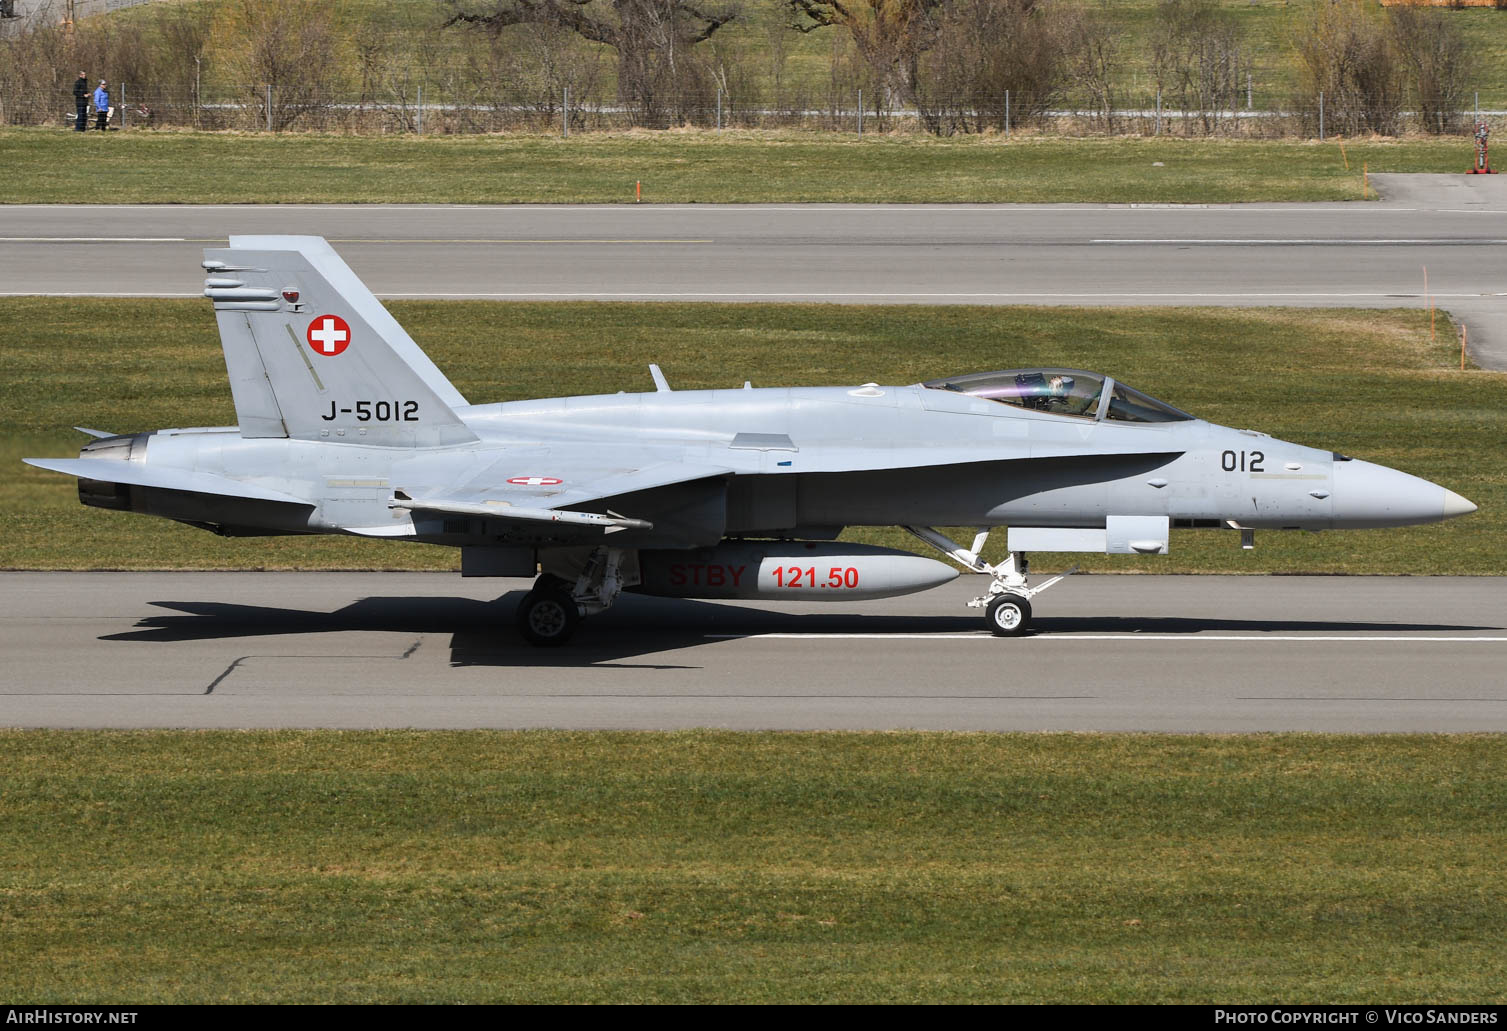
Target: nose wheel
x: 1008, y: 615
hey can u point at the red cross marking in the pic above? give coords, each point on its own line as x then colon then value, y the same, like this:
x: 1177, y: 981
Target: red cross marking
x: 328, y: 334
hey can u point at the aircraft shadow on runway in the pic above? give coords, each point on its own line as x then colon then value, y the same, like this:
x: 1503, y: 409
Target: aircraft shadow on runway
x: 482, y: 632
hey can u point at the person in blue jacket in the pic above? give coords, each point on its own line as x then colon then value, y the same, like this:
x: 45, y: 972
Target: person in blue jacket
x: 101, y: 106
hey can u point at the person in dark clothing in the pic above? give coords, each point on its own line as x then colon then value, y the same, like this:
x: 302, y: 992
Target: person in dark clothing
x: 81, y: 101
x: 102, y: 106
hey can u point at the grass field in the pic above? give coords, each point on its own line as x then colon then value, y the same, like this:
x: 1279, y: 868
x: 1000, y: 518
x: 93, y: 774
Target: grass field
x: 55, y: 166
x: 699, y: 867
x: 1370, y: 384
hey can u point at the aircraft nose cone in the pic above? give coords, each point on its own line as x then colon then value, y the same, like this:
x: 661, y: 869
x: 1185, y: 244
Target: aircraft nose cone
x: 1455, y: 505
x: 1366, y: 494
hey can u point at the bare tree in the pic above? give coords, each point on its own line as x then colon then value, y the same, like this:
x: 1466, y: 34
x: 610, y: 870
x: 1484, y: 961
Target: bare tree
x: 1344, y: 50
x: 183, y: 31
x: 1197, y: 59
x: 890, y: 35
x: 530, y: 68
x: 988, y: 47
x: 658, y: 68
x: 1093, y: 48
x: 288, y: 46
x: 1438, y: 62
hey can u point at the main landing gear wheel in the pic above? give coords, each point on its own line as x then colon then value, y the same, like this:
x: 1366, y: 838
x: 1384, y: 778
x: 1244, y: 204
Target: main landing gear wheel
x: 1008, y: 615
x: 548, y: 615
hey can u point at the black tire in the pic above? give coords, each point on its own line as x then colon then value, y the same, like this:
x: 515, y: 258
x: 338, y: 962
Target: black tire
x: 548, y: 618
x: 1009, y: 615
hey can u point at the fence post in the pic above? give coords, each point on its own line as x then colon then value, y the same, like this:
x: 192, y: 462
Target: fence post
x: 1157, y: 131
x: 719, y: 108
x: 269, y: 107
x: 1321, y: 116
x: 123, y: 107
x: 1249, y: 93
x: 1007, y: 114
x: 1478, y: 107
x: 565, y: 114
x: 860, y: 112
x: 419, y: 116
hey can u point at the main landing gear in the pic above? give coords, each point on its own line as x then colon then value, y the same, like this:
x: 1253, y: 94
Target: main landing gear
x: 1007, y: 606
x: 548, y: 615
x: 552, y: 611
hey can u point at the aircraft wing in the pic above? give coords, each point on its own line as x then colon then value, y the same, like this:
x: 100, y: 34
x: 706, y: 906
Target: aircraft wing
x: 545, y: 500
x: 139, y: 475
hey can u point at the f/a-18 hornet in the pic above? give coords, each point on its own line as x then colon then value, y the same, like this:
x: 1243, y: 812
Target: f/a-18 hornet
x: 346, y: 426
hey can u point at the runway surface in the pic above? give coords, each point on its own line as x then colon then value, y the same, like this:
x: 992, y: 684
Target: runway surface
x: 1332, y: 255
x: 1148, y: 653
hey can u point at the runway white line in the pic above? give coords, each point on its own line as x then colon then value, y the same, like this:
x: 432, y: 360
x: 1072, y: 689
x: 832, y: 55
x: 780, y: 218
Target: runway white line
x: 891, y: 295
x: 651, y: 210
x: 93, y: 239
x: 521, y: 240
x: 899, y: 295
x: 984, y: 635
x: 1324, y: 241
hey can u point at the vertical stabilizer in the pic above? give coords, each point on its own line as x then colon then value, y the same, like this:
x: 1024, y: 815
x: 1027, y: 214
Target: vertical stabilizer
x: 313, y: 355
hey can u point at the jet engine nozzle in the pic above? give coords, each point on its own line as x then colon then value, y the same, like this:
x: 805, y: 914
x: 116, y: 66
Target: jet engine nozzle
x: 1368, y: 495
x: 104, y: 493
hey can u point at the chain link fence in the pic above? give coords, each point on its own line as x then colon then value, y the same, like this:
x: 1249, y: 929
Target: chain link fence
x: 427, y: 110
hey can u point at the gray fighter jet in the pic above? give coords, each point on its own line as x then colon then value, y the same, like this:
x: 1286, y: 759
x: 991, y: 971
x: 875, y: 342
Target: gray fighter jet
x: 346, y: 427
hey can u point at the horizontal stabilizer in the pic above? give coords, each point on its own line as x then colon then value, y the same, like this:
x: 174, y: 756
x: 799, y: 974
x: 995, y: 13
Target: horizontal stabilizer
x: 139, y: 475
x: 98, y: 434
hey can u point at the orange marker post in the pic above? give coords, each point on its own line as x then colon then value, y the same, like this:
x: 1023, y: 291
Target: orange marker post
x: 1342, y: 154
x: 1430, y: 302
x: 1462, y: 347
x: 638, y: 191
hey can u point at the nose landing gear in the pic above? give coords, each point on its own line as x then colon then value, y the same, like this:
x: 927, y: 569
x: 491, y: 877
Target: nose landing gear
x: 1007, y: 606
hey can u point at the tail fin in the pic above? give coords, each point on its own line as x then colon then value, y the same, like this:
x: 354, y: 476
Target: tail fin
x: 312, y: 355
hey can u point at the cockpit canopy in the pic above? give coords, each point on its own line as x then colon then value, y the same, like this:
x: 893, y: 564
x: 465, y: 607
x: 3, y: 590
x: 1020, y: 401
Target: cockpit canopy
x: 1086, y: 395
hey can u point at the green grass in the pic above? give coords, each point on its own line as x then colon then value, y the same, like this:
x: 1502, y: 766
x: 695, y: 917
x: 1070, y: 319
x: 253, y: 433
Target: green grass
x: 1370, y: 384
x: 58, y: 166
x: 710, y: 867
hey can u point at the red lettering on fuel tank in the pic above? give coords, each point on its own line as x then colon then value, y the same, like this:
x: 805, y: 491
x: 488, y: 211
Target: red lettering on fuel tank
x: 677, y: 576
x: 737, y: 572
x: 715, y: 576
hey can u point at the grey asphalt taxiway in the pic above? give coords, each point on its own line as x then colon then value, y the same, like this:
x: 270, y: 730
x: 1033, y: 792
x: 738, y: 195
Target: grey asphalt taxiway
x: 1357, y: 254
x: 1139, y: 653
